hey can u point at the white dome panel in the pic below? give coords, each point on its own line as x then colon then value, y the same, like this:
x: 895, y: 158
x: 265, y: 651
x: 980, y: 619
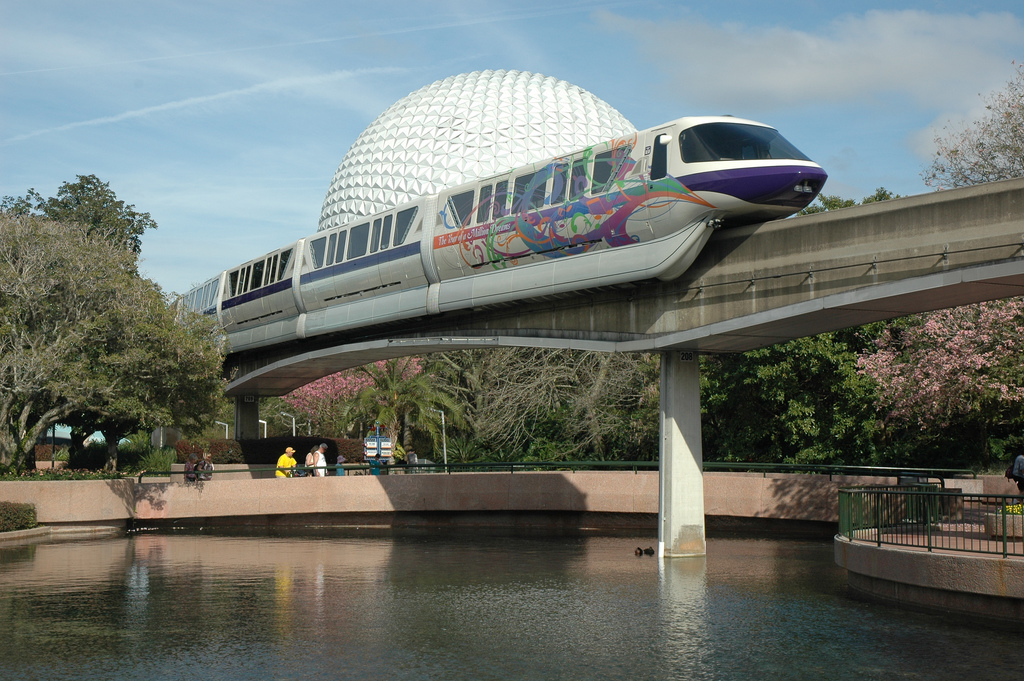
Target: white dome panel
x: 462, y: 128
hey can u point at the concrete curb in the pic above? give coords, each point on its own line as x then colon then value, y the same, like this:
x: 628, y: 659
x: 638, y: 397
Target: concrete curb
x: 24, y: 536
x: 45, y: 533
x: 980, y: 586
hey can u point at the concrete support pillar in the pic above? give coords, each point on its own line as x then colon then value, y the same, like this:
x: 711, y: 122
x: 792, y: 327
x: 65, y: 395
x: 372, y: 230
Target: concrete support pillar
x: 247, y: 417
x: 681, y: 506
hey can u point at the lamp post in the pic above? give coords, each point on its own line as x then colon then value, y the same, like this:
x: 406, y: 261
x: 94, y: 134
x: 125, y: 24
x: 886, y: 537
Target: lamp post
x: 221, y: 423
x: 376, y: 461
x: 293, y: 422
x: 444, y: 437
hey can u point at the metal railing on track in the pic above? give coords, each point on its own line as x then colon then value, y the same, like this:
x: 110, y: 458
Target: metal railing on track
x: 931, y: 518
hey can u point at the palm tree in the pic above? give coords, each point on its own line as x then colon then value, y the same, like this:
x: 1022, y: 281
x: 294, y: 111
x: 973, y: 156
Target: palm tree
x: 402, y: 395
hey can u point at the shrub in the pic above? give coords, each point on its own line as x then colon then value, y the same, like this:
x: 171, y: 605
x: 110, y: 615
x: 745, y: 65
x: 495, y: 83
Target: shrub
x: 158, y: 460
x: 133, y: 448
x: 223, y: 451
x: 43, y: 453
x: 16, y: 516
x: 92, y: 457
x: 60, y: 474
x: 464, y: 450
x: 265, y: 451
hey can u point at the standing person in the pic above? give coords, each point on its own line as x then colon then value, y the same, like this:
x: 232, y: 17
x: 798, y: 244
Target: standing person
x: 339, y: 470
x: 207, y: 466
x: 1017, y: 472
x: 309, y: 463
x: 320, y: 461
x: 286, y: 460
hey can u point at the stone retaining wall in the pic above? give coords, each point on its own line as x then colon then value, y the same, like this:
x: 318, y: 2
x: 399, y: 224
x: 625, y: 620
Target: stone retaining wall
x: 809, y: 498
x: 980, y: 586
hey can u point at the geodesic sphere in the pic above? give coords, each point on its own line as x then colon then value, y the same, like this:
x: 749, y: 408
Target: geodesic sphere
x: 463, y: 128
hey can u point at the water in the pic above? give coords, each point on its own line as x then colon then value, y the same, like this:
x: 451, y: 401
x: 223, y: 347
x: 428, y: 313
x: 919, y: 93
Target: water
x: 200, y: 606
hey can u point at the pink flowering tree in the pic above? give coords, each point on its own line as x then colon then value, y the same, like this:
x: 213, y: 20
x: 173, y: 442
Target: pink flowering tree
x: 322, y: 401
x: 955, y: 366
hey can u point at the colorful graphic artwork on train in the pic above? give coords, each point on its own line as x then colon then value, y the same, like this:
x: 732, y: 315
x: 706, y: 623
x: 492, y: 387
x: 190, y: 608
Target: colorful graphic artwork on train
x: 566, y: 221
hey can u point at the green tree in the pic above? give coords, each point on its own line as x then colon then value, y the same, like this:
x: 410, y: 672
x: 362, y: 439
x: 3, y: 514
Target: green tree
x: 91, y: 203
x: 162, y: 365
x: 52, y: 295
x: 827, y: 202
x: 80, y: 331
x: 802, y: 401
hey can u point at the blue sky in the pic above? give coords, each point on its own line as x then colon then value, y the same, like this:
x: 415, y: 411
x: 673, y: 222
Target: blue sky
x: 226, y: 120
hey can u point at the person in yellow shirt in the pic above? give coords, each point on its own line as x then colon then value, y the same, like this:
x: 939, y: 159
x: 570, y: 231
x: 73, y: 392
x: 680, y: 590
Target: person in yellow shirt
x: 286, y: 460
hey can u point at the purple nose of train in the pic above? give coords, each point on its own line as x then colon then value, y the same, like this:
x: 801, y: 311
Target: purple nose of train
x: 789, y: 186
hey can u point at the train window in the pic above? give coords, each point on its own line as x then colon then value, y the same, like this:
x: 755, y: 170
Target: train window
x: 316, y: 251
x: 341, y: 247
x: 604, y: 166
x: 484, y: 209
x: 385, y: 235
x: 560, y: 181
x: 460, y: 207
x: 500, y: 200
x: 403, y: 224
x: 245, y: 278
x: 285, y: 257
x: 357, y: 244
x: 375, y: 236
x: 529, y: 192
x: 257, y: 274
x: 578, y: 179
x: 735, y: 142
x: 234, y: 283
x: 331, y: 242
x: 539, y: 189
x: 272, y: 274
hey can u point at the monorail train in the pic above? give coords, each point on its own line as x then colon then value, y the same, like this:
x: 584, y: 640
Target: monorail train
x: 638, y: 207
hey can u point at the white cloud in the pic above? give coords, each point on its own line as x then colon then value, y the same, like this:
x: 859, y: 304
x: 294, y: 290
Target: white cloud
x: 933, y: 61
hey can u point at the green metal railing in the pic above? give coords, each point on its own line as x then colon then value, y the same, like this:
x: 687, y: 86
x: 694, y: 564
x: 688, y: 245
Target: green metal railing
x: 479, y: 467
x: 909, y: 474
x: 932, y: 518
x: 914, y: 475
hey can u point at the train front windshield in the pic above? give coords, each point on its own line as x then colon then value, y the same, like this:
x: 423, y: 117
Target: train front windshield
x: 735, y: 142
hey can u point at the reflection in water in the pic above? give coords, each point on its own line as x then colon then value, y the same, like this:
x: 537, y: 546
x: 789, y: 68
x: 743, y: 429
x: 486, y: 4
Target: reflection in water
x: 174, y: 606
